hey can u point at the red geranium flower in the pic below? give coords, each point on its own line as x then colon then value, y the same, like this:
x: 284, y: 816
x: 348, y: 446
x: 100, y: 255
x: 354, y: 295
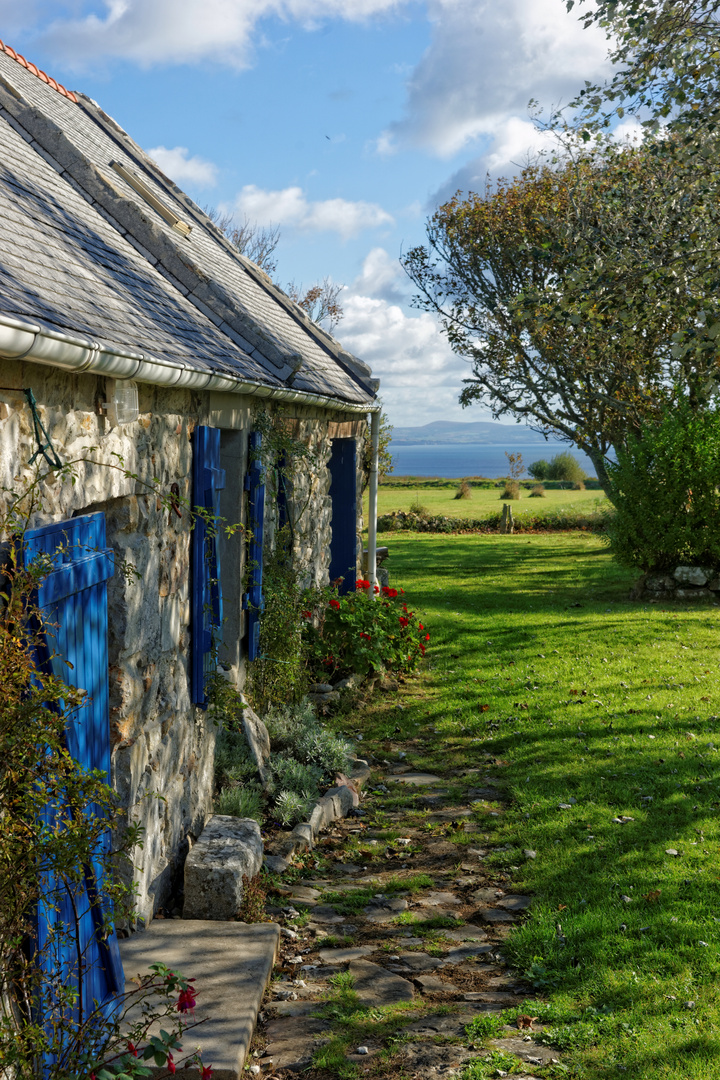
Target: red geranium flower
x: 307, y: 614
x: 366, y: 636
x: 420, y: 626
x: 377, y: 588
x: 403, y: 621
x: 392, y: 593
x: 427, y: 637
x: 362, y: 583
x: 335, y: 604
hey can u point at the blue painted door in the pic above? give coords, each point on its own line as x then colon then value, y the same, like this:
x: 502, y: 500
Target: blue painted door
x: 343, y: 495
x: 73, y: 941
x: 207, y: 616
x: 253, y: 601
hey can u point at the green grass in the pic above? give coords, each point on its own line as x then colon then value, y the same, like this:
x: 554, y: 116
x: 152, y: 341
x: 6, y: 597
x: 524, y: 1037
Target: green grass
x: 483, y: 501
x: 544, y: 675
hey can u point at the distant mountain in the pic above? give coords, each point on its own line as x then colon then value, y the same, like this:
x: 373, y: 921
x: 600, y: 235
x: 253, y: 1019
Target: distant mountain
x: 475, y: 431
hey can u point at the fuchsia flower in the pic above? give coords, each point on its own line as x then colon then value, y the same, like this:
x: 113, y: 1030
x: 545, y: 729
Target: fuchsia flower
x: 186, y: 1000
x: 170, y: 1064
x: 206, y: 1072
x: 132, y: 1049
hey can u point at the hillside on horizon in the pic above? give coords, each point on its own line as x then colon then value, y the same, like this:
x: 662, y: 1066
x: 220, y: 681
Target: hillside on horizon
x: 486, y: 432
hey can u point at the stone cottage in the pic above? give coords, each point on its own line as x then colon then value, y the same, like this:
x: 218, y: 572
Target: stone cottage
x: 138, y: 352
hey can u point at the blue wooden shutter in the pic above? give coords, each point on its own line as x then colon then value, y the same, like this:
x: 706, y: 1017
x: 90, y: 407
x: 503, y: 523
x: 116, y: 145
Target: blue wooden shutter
x: 208, y: 482
x: 253, y: 600
x: 343, y: 495
x: 73, y: 597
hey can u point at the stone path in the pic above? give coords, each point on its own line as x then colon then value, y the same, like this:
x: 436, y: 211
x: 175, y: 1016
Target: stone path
x: 434, y: 953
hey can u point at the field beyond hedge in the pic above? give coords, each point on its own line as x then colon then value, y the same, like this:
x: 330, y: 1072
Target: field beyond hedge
x: 597, y: 711
x: 483, y: 501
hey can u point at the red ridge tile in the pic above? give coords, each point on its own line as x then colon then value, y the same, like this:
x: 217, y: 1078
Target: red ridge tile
x: 33, y: 69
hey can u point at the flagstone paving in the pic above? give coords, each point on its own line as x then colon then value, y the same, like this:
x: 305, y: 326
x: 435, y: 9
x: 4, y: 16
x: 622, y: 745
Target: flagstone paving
x: 403, y: 951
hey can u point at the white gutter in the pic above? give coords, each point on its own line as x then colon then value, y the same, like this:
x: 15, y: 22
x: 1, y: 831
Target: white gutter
x: 373, y: 493
x: 26, y: 341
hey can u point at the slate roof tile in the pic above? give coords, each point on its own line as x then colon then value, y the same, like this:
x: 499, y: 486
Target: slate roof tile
x: 268, y: 330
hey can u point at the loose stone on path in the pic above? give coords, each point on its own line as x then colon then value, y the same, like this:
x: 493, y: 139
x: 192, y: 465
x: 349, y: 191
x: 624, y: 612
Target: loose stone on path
x: 376, y: 986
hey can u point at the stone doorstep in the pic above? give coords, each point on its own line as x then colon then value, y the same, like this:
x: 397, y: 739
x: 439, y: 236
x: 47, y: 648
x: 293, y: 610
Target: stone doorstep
x: 231, y: 964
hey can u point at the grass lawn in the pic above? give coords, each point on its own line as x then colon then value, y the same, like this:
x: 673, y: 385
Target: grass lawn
x: 483, y: 501
x: 594, y: 708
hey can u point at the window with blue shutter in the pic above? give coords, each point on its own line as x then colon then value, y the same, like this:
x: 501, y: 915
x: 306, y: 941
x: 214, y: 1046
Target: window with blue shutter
x: 73, y: 942
x: 208, y: 482
x: 253, y: 599
x: 343, y: 496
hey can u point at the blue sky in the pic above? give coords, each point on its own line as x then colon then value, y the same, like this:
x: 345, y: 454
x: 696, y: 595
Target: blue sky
x: 341, y: 121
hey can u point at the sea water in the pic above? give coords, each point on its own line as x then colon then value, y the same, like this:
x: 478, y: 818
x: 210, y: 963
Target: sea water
x: 474, y: 459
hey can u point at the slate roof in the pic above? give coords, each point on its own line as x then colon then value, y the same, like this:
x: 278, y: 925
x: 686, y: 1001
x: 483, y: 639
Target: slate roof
x: 82, y: 251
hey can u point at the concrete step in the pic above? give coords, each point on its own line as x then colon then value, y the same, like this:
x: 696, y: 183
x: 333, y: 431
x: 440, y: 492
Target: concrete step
x: 231, y: 963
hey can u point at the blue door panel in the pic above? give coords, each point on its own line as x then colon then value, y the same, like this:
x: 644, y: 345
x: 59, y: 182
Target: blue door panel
x: 253, y: 601
x: 343, y: 496
x: 73, y: 596
x: 207, y: 617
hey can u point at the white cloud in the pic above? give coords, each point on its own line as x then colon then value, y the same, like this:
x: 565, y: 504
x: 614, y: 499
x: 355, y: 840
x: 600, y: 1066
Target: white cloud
x: 290, y: 207
x: 176, y: 164
x: 149, y: 32
x: 420, y: 376
x: 486, y: 60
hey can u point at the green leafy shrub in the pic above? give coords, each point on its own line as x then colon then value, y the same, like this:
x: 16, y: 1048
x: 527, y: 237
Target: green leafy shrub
x: 292, y: 807
x: 279, y: 674
x: 241, y: 800
x: 565, y: 466
x: 664, y: 486
x: 539, y: 470
x: 359, y: 632
x: 296, y: 728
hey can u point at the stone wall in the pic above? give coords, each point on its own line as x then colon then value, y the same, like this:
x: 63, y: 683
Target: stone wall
x: 162, y: 746
x: 685, y: 583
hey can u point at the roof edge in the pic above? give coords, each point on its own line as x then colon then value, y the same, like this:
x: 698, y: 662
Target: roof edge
x: 21, y: 340
x: 355, y: 367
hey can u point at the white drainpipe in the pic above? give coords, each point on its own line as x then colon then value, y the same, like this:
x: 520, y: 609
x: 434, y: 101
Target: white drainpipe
x: 373, y: 493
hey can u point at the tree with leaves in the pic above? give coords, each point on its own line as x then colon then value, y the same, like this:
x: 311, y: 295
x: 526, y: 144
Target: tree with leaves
x: 577, y: 293
x: 665, y: 61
